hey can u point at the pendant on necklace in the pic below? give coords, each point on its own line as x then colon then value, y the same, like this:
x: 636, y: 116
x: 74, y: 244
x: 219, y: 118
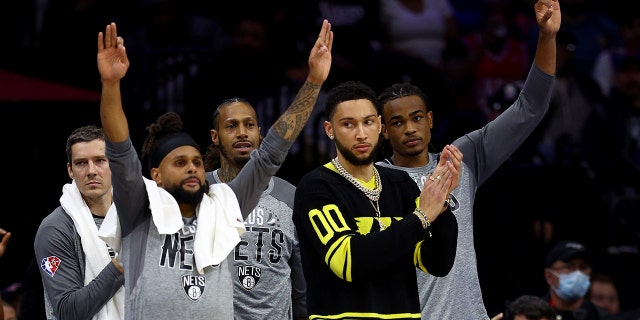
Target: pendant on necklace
x: 382, y: 225
x: 376, y: 208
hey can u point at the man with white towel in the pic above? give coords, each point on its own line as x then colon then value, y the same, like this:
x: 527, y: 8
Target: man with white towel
x: 177, y: 230
x: 79, y: 271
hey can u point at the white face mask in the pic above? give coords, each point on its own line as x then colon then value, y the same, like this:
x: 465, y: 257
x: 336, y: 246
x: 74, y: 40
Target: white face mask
x: 573, y: 285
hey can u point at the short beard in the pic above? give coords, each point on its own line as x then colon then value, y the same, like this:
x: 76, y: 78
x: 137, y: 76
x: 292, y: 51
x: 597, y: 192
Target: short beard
x: 191, y: 197
x: 351, y: 157
x: 415, y: 153
x: 239, y: 161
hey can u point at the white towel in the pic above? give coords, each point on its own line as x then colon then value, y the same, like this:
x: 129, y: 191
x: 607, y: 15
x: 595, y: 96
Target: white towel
x: 220, y: 222
x: 95, y: 249
x: 164, y: 209
x: 109, y: 231
x: 217, y: 233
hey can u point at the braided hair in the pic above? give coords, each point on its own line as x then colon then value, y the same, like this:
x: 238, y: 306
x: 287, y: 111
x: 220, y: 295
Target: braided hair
x: 397, y: 91
x: 162, y: 137
x: 401, y: 90
x: 212, y: 156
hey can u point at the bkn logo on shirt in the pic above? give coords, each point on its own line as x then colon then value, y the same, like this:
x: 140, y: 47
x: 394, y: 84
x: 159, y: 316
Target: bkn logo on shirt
x: 249, y: 276
x: 193, y: 286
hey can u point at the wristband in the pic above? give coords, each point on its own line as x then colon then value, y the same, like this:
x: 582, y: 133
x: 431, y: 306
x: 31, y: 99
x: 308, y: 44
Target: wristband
x: 426, y: 223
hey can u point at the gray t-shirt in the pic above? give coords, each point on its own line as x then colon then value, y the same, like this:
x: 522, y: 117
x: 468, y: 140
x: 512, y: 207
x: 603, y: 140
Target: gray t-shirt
x: 458, y: 295
x: 267, y: 271
x: 161, y: 280
x: 58, y: 245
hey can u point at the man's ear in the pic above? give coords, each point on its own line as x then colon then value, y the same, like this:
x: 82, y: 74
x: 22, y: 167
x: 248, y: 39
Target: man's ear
x: 69, y: 171
x: 549, y: 276
x: 430, y: 119
x: 384, y: 132
x: 155, y: 175
x: 214, y: 137
x: 328, y: 129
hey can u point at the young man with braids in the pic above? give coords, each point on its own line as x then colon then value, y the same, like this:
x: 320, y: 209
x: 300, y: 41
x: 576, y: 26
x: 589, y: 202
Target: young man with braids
x: 269, y: 282
x: 176, y: 229
x: 364, y: 229
x: 407, y: 122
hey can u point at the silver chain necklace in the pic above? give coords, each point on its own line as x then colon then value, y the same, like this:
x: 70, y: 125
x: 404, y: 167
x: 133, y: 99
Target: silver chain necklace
x: 373, y: 195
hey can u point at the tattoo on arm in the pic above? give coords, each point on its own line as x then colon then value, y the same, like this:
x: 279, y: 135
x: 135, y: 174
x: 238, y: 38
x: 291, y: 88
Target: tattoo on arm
x: 291, y: 122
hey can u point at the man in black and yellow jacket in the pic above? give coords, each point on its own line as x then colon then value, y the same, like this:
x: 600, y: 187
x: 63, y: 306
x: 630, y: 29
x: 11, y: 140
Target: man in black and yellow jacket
x: 363, y: 228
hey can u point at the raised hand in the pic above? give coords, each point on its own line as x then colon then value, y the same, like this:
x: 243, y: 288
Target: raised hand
x: 548, y: 16
x: 320, y: 56
x: 113, y: 62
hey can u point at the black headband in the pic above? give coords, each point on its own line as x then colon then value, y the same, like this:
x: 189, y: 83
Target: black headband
x: 168, y: 144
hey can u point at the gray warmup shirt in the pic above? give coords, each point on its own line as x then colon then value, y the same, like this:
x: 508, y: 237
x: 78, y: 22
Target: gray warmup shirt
x: 267, y: 271
x: 66, y: 297
x: 458, y: 295
x: 161, y: 280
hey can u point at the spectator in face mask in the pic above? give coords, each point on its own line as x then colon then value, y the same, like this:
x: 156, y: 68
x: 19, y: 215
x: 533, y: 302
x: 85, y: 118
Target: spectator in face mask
x: 567, y: 271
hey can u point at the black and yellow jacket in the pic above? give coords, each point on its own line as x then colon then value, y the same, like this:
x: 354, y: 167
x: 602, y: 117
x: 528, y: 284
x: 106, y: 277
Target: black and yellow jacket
x: 355, y: 271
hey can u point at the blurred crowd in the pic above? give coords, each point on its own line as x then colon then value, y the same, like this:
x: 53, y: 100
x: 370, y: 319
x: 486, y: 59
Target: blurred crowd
x: 576, y: 177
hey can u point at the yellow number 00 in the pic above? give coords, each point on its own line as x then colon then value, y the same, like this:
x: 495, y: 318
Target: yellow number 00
x: 324, y: 222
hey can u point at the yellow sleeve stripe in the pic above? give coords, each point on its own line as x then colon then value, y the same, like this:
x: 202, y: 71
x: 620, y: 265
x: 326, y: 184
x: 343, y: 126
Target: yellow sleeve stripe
x: 338, y: 258
x: 416, y: 257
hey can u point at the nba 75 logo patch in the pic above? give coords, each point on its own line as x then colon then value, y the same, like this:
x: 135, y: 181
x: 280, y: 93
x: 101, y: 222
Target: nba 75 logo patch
x: 249, y: 276
x: 50, y: 265
x: 193, y: 286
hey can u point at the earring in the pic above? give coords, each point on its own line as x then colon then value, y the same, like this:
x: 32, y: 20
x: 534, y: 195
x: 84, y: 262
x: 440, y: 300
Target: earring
x: 331, y: 137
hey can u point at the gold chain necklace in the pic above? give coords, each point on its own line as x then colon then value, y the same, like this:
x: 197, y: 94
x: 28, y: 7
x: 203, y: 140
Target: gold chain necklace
x: 376, y: 208
x: 373, y: 195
